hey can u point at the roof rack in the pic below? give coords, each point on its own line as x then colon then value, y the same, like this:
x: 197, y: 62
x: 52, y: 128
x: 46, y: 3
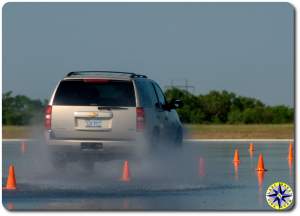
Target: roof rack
x: 130, y: 74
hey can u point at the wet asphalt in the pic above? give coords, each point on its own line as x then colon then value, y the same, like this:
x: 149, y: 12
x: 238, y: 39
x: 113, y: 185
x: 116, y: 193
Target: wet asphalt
x: 200, y: 176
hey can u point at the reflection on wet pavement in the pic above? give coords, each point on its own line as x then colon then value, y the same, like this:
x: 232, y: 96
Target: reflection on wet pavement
x: 202, y: 176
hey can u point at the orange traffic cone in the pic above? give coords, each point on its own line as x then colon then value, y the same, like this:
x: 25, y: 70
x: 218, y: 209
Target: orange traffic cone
x: 290, y: 156
x: 126, y: 172
x: 260, y: 164
x: 236, y: 158
x: 11, y: 180
x: 23, y: 147
x: 251, y: 147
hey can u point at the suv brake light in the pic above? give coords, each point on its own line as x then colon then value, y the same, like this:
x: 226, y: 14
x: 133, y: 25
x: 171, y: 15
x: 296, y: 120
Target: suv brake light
x: 140, y: 119
x: 48, y: 113
x: 95, y: 80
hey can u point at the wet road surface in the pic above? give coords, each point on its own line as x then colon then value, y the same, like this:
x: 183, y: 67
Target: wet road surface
x: 201, y: 176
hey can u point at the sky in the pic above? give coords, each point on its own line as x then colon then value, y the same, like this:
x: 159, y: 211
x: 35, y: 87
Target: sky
x: 245, y: 48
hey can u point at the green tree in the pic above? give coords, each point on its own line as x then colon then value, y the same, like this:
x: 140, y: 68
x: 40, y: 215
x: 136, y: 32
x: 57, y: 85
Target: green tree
x: 235, y: 116
x: 226, y: 107
x: 21, y: 110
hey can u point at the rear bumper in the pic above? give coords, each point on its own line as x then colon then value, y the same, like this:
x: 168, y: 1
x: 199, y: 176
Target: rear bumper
x: 107, y: 146
x: 77, y: 145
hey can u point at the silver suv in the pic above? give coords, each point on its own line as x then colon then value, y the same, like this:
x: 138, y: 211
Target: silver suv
x: 105, y: 111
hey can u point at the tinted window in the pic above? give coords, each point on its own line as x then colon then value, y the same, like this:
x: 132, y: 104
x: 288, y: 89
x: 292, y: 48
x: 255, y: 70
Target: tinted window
x: 160, y: 94
x: 95, y: 93
x: 146, y: 93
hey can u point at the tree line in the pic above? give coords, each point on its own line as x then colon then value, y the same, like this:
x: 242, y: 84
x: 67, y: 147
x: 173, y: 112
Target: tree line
x: 216, y: 107
x: 220, y: 107
x: 21, y: 110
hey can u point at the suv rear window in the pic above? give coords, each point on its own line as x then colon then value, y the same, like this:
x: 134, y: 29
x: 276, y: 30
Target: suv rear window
x: 95, y: 92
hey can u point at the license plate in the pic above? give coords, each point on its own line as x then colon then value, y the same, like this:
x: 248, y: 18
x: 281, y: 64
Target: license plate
x: 93, y: 123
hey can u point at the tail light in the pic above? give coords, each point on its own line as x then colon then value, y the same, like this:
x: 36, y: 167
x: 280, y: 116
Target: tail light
x: 140, y: 119
x: 48, y: 113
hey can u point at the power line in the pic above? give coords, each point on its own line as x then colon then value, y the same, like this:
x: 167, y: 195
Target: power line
x: 185, y: 86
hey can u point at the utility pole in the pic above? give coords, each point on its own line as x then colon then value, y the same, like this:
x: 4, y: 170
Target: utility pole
x: 185, y: 86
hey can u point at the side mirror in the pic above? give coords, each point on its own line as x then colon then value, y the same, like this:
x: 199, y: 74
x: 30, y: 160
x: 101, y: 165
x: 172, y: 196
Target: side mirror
x: 175, y: 104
